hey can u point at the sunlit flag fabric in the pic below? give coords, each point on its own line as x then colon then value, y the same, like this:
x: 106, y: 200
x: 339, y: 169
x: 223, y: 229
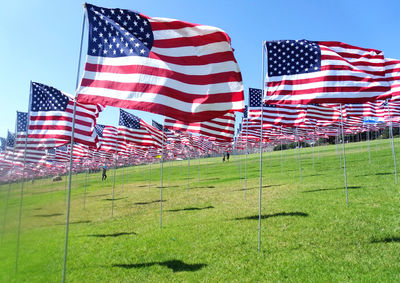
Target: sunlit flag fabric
x: 222, y: 128
x: 174, y: 68
x: 304, y: 72
x: 134, y: 130
x: 51, y: 117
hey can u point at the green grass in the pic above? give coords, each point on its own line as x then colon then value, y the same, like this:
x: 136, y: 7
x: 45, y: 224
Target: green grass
x: 210, y: 231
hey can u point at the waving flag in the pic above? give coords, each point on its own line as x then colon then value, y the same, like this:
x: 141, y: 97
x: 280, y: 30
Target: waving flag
x: 304, y: 72
x: 51, y: 117
x: 164, y: 66
x: 134, y: 130
x: 222, y: 128
x: 2, y: 144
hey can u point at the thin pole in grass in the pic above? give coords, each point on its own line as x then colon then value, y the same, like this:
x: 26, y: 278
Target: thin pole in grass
x: 162, y: 170
x: 112, y: 197
x: 64, y: 270
x: 23, y: 177
x: 149, y: 174
x: 344, y: 154
x: 245, y: 165
x: 3, y: 230
x: 369, y: 145
x: 280, y: 141
x: 188, y: 171
x: 298, y: 152
x: 392, y: 142
x: 261, y: 143
x: 84, y: 192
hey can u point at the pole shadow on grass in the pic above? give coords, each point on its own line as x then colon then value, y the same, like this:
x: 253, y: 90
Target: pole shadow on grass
x: 48, y: 215
x: 386, y: 240
x: 76, y: 222
x: 149, y: 202
x: 266, y: 216
x: 175, y: 265
x: 377, y: 174
x: 110, y: 199
x: 112, y: 235
x: 190, y: 208
x: 335, y: 189
x: 204, y: 187
x: 102, y: 195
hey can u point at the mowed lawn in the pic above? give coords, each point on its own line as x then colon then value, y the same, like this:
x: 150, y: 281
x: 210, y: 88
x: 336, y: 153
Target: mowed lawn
x: 209, y: 229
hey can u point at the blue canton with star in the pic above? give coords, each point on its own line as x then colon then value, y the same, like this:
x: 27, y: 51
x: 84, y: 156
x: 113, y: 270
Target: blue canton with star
x: 10, y: 139
x: 128, y: 120
x: 99, y: 129
x: 47, y: 98
x: 22, y: 121
x: 118, y: 33
x: 291, y: 57
x: 255, y: 97
x: 2, y: 144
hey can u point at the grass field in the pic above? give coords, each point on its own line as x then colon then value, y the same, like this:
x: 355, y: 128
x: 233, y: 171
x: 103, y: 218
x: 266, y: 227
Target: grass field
x: 210, y: 231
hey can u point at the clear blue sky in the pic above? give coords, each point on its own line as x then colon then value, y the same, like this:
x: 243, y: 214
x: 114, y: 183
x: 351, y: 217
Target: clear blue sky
x: 40, y: 39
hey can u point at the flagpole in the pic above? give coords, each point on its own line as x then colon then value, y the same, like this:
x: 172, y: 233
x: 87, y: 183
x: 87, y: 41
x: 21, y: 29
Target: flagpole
x: 344, y: 155
x: 245, y: 163
x: 162, y: 169
x: 280, y: 141
x: 84, y: 192
x: 149, y: 174
x: 70, y: 157
x: 112, y: 197
x: 391, y: 136
x: 369, y: 145
x: 23, y: 177
x: 298, y: 152
x: 188, y: 171
x: 261, y: 140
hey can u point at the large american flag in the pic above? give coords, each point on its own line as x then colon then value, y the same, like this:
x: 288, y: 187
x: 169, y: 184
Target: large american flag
x: 303, y: 72
x: 51, y: 116
x: 164, y: 66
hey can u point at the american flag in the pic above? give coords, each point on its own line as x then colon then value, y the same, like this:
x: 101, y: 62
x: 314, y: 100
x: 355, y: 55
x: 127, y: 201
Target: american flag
x: 134, y: 130
x: 26, y: 149
x: 164, y: 66
x: 303, y: 72
x: 222, y: 128
x: 51, y: 117
x: 288, y: 115
x: 108, y: 138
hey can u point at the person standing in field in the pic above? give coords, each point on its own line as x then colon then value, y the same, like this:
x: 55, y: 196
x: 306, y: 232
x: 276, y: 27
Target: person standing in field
x: 104, y: 176
x: 227, y: 156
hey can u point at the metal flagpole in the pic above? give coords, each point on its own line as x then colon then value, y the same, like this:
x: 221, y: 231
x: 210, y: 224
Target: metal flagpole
x: 198, y: 168
x: 298, y: 152
x: 280, y: 140
x: 369, y: 145
x: 112, y: 197
x: 23, y: 178
x: 162, y: 169
x: 84, y: 192
x: 261, y: 140
x: 245, y: 165
x: 344, y: 155
x: 149, y: 174
x: 391, y: 138
x: 188, y: 171
x: 123, y: 175
x: 70, y: 157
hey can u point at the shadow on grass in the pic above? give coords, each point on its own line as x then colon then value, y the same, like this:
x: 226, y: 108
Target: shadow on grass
x: 167, y: 187
x: 190, y: 208
x: 266, y: 216
x: 335, y: 189
x: 174, y: 265
x: 377, y: 174
x: 112, y: 235
x: 110, y: 199
x: 239, y: 190
x: 98, y: 195
x: 48, y: 215
x: 386, y: 240
x: 149, y: 202
x: 76, y: 222
x: 204, y: 187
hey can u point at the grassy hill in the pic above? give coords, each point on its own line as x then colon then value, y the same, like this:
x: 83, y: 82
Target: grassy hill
x: 209, y: 229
